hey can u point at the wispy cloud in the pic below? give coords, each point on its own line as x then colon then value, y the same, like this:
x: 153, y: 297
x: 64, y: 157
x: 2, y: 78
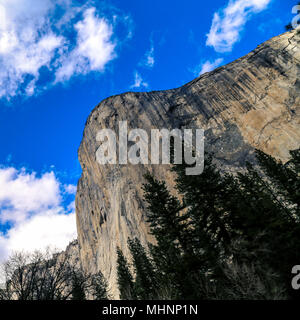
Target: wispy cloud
x: 70, y: 189
x: 208, y: 66
x: 138, y: 81
x: 149, y: 60
x: 229, y: 22
x: 33, y: 207
x: 58, y: 36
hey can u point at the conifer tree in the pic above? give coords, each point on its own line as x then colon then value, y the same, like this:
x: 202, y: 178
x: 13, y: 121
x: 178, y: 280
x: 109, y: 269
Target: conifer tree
x: 99, y: 287
x: 125, y: 279
x: 208, y: 199
x: 173, y: 255
x: 145, y: 278
x: 164, y: 213
x: 285, y: 179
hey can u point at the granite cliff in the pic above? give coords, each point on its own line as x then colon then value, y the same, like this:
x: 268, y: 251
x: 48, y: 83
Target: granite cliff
x: 250, y: 103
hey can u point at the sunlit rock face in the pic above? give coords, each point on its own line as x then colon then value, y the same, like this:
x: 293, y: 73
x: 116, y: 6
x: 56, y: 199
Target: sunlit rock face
x: 250, y: 103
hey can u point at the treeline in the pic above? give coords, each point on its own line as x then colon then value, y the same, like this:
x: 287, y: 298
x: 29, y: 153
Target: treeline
x: 49, y: 276
x: 229, y: 237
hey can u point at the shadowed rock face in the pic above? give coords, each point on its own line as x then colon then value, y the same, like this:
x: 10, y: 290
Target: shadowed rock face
x: 250, y: 103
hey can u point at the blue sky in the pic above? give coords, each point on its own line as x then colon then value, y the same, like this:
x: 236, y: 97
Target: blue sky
x: 59, y: 59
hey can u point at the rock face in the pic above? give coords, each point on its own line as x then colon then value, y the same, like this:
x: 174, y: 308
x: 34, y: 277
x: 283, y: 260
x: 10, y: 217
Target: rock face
x: 72, y: 254
x: 250, y: 103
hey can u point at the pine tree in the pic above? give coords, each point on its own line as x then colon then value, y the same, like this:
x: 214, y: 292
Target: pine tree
x: 173, y: 255
x: 282, y: 183
x: 284, y: 178
x: 125, y: 279
x: 145, y: 278
x: 99, y: 287
x: 164, y: 213
x: 265, y: 208
x: 208, y: 199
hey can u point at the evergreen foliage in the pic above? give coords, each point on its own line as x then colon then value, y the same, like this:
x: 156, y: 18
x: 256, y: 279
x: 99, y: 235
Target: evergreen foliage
x: 224, y: 237
x: 125, y: 279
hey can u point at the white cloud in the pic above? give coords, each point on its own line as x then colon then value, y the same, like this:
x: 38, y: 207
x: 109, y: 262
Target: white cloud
x: 138, y: 81
x: 33, y: 206
x: 94, y: 48
x: 228, y: 23
x: 70, y: 189
x: 208, y: 66
x: 58, y: 36
x: 50, y: 228
x: 22, y: 194
x: 149, y: 59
